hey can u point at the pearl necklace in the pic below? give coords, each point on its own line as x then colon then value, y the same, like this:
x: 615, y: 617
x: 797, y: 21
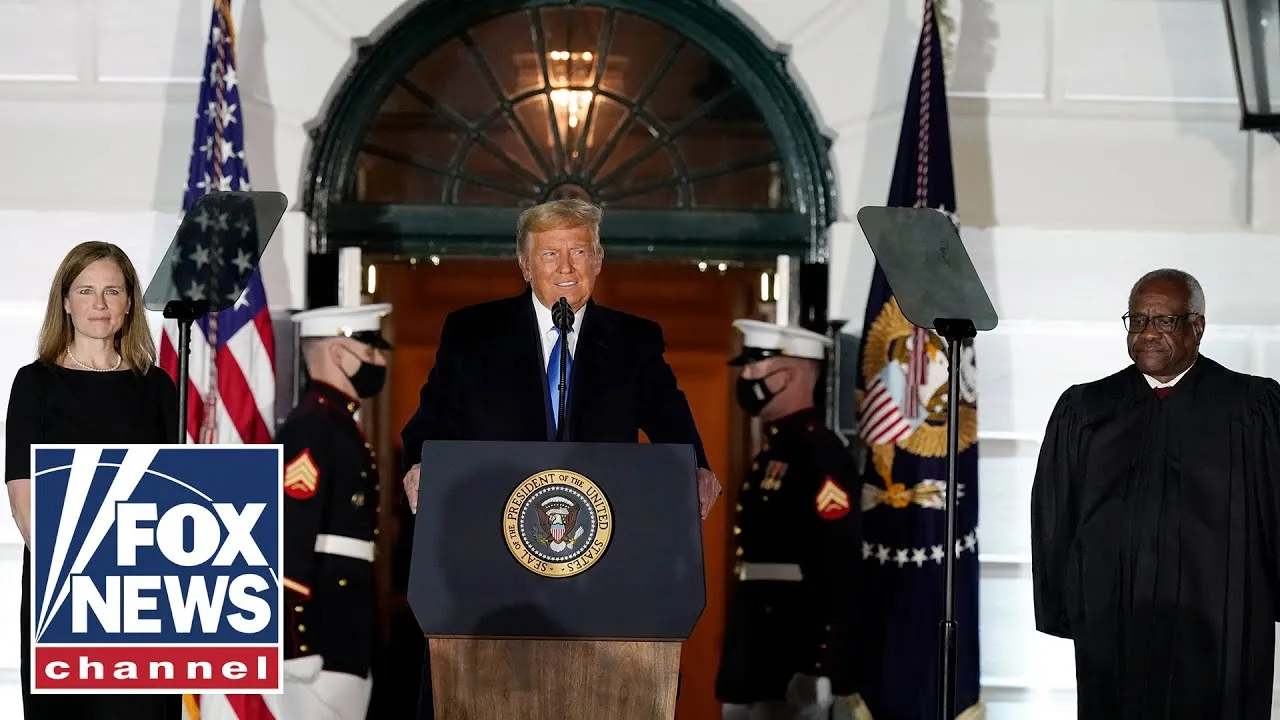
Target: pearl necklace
x: 119, y: 359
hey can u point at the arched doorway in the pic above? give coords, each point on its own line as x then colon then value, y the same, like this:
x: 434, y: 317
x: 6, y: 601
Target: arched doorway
x: 669, y: 114
x: 505, y: 114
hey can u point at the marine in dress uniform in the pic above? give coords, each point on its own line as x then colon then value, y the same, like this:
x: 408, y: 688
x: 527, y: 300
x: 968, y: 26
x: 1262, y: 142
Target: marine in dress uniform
x: 788, y: 650
x: 330, y: 517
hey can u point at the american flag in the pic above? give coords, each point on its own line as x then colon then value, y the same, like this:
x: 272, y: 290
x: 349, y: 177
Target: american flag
x: 903, y: 421
x: 231, y: 388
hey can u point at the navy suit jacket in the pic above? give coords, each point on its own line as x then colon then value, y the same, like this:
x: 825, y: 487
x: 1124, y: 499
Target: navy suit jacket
x: 489, y: 382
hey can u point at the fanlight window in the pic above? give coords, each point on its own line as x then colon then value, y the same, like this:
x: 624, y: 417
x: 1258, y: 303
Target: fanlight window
x: 570, y: 101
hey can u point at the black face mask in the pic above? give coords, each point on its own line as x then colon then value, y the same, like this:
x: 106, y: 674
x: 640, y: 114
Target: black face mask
x: 369, y: 379
x: 754, y: 395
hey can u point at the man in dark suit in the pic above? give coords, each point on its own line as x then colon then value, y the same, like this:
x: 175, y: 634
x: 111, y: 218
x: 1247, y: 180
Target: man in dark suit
x: 496, y: 373
x: 491, y: 381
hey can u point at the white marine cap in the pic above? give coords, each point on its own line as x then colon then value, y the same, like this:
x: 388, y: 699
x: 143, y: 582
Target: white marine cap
x: 762, y: 340
x: 359, y: 322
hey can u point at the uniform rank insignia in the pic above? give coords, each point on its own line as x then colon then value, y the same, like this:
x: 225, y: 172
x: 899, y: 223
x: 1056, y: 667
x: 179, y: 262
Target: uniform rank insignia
x: 301, y: 477
x: 833, y: 501
x: 773, y: 473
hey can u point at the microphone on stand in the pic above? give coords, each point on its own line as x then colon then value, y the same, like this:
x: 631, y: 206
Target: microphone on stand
x: 562, y: 316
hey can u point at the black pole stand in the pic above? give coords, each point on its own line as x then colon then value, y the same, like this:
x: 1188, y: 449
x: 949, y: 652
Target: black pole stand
x: 186, y: 313
x: 955, y: 332
x: 562, y: 315
x: 937, y: 288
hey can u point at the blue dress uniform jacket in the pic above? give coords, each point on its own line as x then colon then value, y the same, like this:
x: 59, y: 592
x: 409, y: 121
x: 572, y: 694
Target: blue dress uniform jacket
x: 330, y: 522
x: 793, y: 603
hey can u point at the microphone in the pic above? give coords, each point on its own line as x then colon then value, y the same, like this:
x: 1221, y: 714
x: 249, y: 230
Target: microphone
x: 562, y: 316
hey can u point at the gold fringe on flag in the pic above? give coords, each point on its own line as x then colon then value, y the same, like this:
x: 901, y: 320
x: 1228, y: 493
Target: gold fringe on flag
x: 947, y: 35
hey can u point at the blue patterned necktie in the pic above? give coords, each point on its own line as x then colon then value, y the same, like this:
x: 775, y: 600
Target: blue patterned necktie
x: 553, y: 378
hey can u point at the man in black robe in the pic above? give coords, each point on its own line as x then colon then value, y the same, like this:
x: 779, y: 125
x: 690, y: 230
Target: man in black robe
x: 1154, y: 520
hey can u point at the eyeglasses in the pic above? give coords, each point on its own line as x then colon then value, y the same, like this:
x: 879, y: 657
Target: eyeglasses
x: 1164, y: 323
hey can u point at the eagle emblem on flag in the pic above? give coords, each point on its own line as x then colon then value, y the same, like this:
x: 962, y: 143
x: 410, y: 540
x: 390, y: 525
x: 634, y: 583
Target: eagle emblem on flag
x: 904, y: 405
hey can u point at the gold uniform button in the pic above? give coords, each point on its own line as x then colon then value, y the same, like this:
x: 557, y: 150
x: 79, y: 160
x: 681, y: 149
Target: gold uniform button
x: 351, y: 407
x: 739, y: 552
x: 364, y: 474
x: 302, y: 648
x: 738, y: 507
x: 773, y: 431
x: 376, y: 531
x: 297, y: 608
x: 358, y: 499
x: 342, y: 582
x: 737, y: 530
x: 302, y: 628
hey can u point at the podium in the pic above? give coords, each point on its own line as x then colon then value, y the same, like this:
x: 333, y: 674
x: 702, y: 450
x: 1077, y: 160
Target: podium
x: 556, y: 581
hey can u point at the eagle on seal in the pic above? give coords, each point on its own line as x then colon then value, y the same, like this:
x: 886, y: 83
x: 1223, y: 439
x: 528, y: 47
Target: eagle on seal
x: 558, y: 517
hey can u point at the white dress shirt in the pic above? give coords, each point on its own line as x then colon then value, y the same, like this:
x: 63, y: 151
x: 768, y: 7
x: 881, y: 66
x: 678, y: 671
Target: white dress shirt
x: 547, y: 329
x: 1154, y: 383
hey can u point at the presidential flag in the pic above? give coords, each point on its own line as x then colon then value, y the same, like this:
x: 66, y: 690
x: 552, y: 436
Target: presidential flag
x: 231, y: 387
x: 902, y: 419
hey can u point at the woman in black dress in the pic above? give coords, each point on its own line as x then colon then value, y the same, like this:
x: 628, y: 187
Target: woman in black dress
x: 95, y: 380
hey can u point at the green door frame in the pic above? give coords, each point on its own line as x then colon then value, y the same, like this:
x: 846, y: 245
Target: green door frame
x: 661, y: 234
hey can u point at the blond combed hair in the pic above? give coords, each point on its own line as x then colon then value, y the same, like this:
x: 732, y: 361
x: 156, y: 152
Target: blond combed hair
x: 557, y: 215
x: 133, y: 339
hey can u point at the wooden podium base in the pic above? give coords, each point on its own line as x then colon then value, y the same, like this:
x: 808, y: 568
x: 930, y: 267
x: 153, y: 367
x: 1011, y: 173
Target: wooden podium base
x: 513, y: 679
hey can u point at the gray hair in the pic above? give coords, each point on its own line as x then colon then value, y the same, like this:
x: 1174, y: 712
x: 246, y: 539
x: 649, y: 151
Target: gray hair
x: 1195, y: 293
x: 556, y: 214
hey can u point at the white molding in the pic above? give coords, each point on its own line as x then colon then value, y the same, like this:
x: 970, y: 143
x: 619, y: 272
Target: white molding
x: 986, y: 560
x: 1006, y: 436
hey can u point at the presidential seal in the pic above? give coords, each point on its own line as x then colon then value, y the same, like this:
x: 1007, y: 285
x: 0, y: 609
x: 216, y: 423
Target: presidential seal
x: 557, y: 523
x: 904, y: 405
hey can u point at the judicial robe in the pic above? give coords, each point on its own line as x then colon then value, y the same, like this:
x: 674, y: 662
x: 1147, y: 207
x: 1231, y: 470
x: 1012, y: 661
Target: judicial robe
x: 1154, y: 527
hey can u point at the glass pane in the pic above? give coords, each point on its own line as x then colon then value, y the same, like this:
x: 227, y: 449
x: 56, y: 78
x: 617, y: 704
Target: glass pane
x: 414, y: 136
x: 657, y: 171
x: 379, y: 180
x: 662, y: 199
x: 602, y: 122
x: 449, y: 76
x: 501, y: 138
x: 507, y: 47
x: 483, y: 169
x: 637, y: 46
x: 534, y: 126
x: 755, y: 188
x: 611, y: 104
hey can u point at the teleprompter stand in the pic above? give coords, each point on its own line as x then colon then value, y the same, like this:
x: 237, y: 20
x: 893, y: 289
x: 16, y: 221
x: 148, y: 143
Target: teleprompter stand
x: 209, y: 265
x: 555, y: 580
x: 937, y: 288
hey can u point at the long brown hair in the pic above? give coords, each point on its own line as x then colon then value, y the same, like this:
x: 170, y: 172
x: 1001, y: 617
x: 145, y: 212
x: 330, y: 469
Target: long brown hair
x: 133, y: 339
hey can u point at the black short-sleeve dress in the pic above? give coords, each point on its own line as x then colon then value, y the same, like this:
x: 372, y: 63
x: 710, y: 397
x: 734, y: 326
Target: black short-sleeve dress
x: 53, y: 404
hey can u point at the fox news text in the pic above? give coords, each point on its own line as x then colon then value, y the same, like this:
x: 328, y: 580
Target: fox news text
x: 156, y: 569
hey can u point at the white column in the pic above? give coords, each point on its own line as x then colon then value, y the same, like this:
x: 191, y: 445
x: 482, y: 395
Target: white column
x: 350, y: 276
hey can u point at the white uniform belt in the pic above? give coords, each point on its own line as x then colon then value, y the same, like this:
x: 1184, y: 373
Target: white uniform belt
x: 778, y: 572
x: 345, y: 546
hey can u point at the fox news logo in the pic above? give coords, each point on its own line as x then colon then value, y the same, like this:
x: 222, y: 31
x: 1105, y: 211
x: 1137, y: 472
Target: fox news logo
x: 156, y: 569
